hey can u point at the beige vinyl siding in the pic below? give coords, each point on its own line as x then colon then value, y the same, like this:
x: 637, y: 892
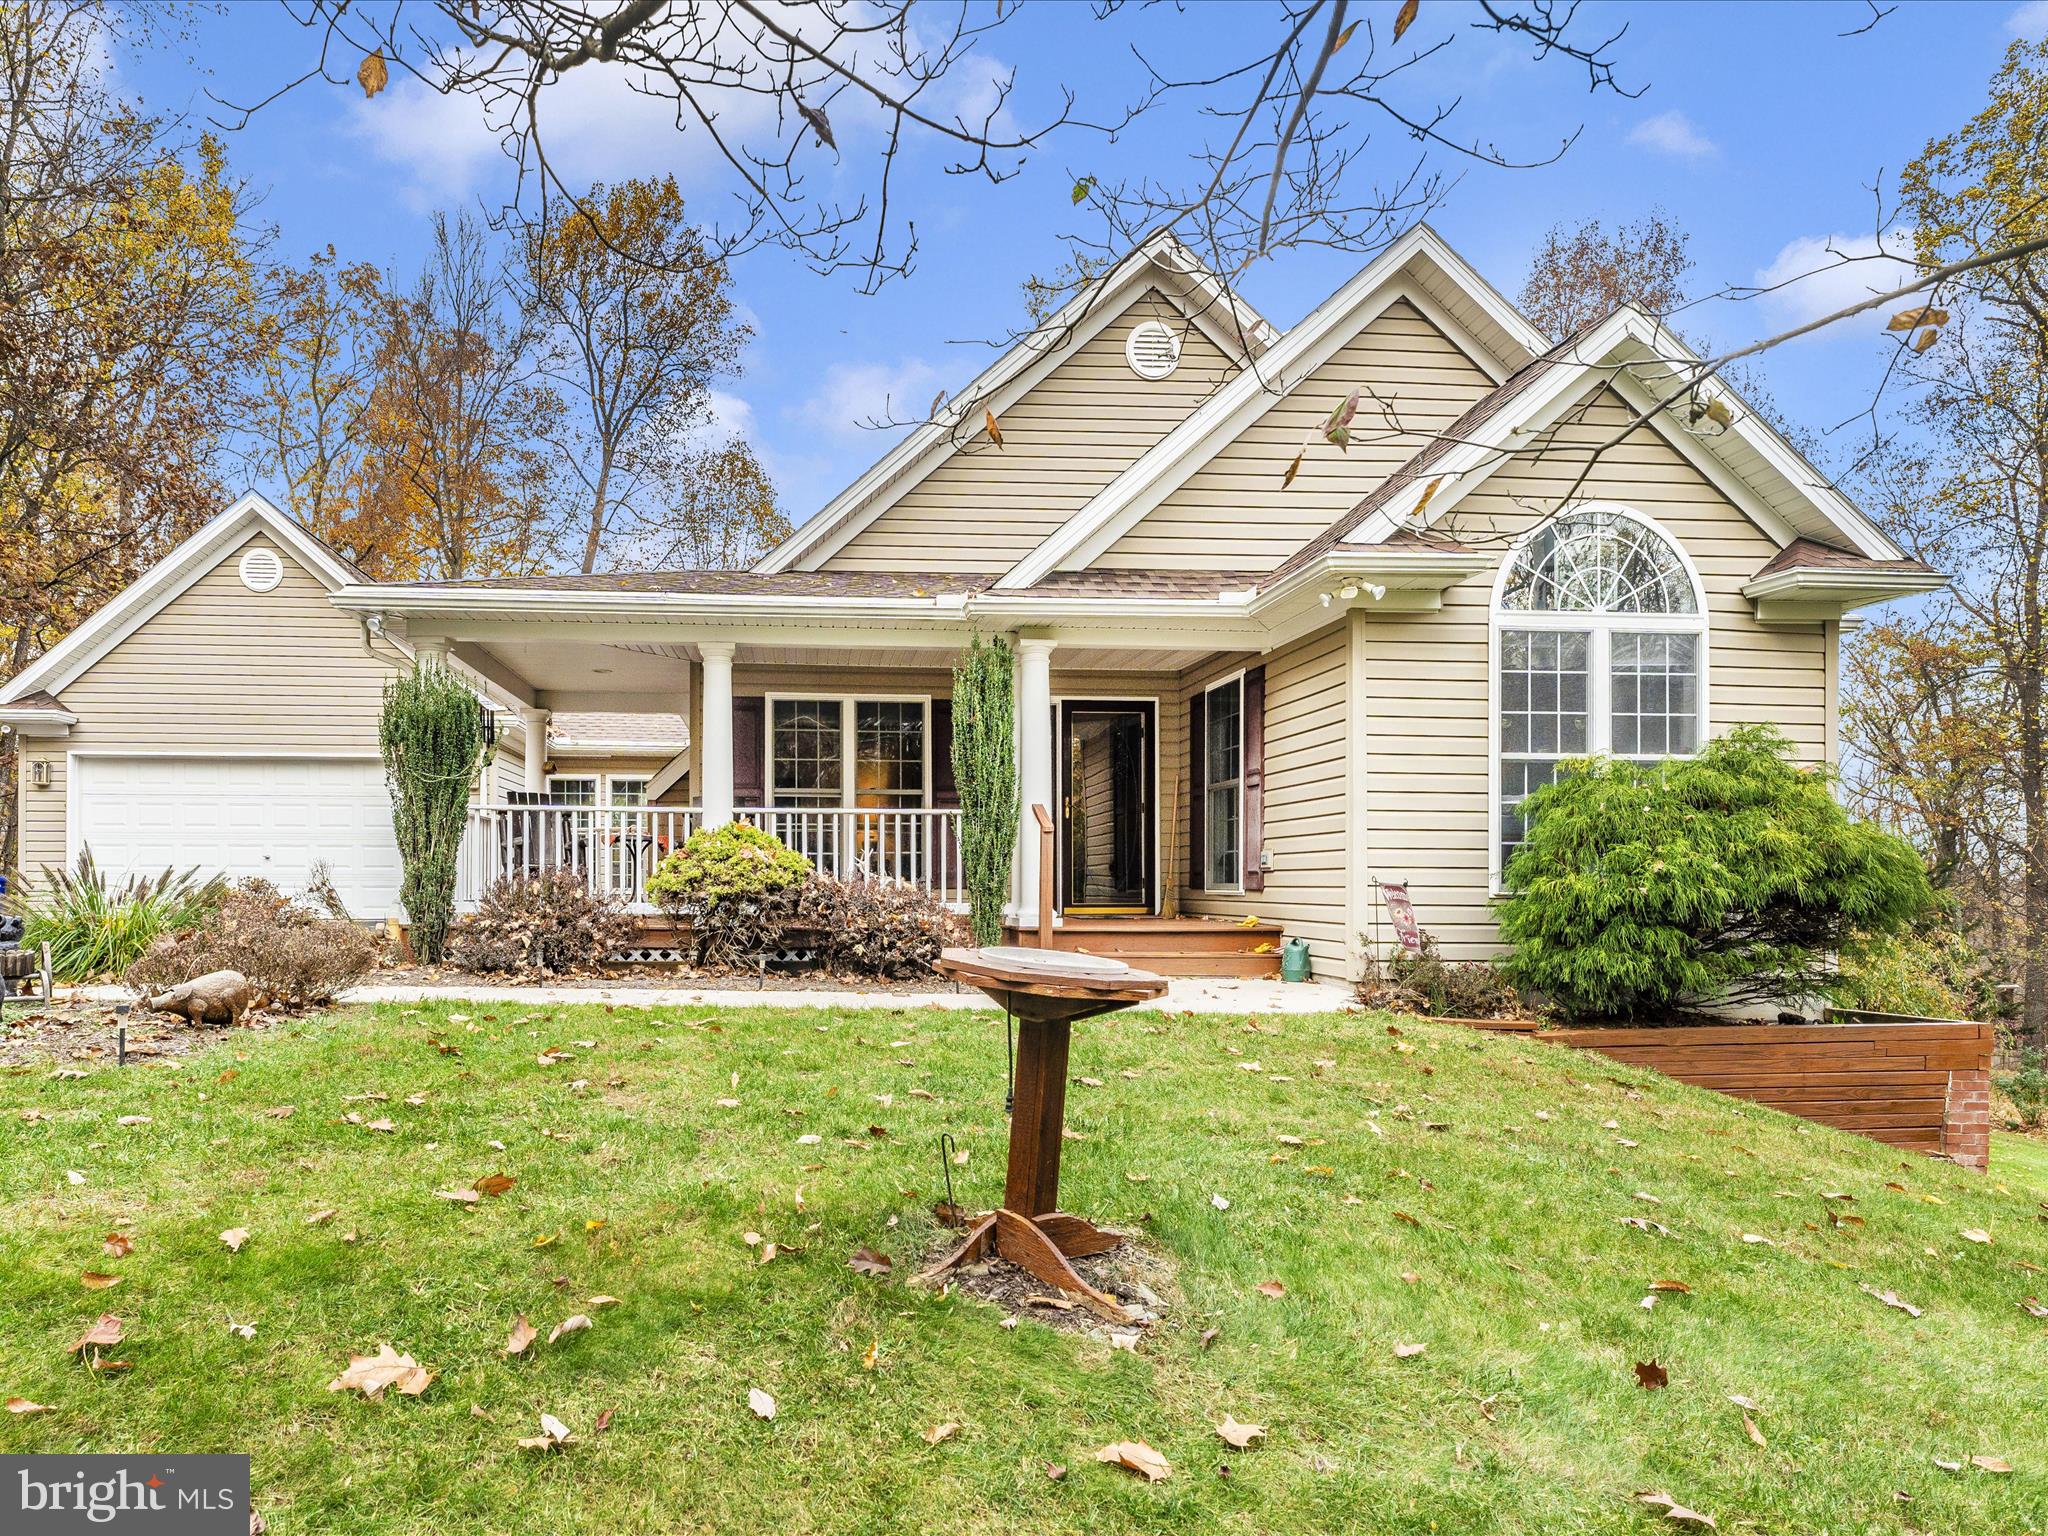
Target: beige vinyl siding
x: 219, y: 669
x: 1234, y: 514
x: 1307, y: 841
x: 1428, y: 696
x: 1087, y: 421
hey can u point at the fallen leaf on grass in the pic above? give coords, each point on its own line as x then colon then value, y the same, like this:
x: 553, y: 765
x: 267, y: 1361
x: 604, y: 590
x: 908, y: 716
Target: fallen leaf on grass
x: 762, y: 1404
x: 574, y: 1324
x: 1745, y: 1402
x: 1272, y: 1288
x: 384, y: 1126
x: 1408, y: 1351
x: 1239, y: 1435
x: 521, y: 1338
x: 118, y: 1244
x: 234, y: 1237
x: 1671, y: 1285
x: 1756, y: 1435
x: 1990, y: 1463
x: 1650, y: 1375
x: 601, y: 1301
x: 93, y: 1280
x: 319, y: 1218
x: 553, y: 1434
x: 1677, y: 1512
x: 1219, y: 1202
x: 494, y: 1183
x: 1136, y: 1456
x: 132, y: 1120
x: 866, y: 1261
x: 104, y: 1334
x: 604, y: 1421
x: 371, y: 1374
x: 459, y: 1196
x: 1975, y: 1235
x: 1890, y: 1299
x: 939, y: 1433
x: 23, y: 1405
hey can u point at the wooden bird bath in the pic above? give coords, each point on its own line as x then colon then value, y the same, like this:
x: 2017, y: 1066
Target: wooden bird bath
x: 1046, y: 990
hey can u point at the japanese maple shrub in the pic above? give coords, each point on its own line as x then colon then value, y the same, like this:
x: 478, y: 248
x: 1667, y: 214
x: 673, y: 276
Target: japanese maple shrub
x: 1734, y: 876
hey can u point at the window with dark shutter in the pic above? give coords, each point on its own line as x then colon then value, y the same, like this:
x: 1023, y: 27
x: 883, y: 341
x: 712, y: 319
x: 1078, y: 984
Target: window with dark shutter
x: 1197, y: 802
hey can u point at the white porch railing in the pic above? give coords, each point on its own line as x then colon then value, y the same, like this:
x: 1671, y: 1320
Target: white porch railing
x: 615, y: 849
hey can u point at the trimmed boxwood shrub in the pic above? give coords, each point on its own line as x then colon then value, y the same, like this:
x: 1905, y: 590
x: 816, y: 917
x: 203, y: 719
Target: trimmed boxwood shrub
x: 736, y: 887
x: 1730, y: 877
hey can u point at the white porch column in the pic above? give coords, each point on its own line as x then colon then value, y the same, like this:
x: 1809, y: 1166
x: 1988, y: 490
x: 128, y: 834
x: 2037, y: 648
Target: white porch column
x: 716, y: 754
x: 1034, y: 764
x: 534, y: 779
x: 432, y: 647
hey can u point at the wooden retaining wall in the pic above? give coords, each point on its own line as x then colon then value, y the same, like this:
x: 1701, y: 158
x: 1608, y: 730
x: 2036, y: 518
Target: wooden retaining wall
x: 1925, y: 1086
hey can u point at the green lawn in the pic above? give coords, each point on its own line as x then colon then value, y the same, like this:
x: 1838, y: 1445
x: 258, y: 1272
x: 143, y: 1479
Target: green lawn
x: 1481, y: 1218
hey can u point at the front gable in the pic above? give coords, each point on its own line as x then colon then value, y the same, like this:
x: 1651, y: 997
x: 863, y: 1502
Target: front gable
x: 1238, y: 512
x: 985, y: 507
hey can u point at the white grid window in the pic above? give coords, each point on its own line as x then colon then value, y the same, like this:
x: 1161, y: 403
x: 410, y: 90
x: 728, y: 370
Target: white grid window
x: 1600, y: 638
x: 888, y: 752
x: 806, y: 759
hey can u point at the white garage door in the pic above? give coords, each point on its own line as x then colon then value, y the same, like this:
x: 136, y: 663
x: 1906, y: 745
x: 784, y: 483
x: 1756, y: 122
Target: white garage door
x: 240, y: 816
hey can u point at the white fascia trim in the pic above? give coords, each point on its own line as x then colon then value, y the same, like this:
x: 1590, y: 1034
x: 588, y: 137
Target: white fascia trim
x: 1403, y: 570
x: 1855, y: 588
x: 1016, y: 372
x: 1483, y: 293
x: 165, y: 581
x: 18, y: 714
x: 661, y: 749
x: 458, y: 603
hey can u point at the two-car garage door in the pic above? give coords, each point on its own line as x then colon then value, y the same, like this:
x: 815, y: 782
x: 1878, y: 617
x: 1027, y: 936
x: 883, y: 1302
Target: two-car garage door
x: 239, y: 816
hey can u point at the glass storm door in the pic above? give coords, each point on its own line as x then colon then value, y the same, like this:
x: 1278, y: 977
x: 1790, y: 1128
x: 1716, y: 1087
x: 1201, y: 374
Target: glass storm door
x: 1106, y: 800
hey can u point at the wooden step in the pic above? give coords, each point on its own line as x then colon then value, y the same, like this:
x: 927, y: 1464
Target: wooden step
x: 1170, y: 946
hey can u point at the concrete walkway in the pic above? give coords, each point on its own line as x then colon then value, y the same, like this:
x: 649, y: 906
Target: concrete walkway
x: 1187, y: 994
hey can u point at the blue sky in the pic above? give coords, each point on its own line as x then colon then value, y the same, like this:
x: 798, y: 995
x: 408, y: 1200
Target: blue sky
x: 1761, y: 130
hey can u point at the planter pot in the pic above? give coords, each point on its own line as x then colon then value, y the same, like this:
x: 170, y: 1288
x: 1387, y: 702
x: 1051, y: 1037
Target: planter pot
x: 1923, y: 1084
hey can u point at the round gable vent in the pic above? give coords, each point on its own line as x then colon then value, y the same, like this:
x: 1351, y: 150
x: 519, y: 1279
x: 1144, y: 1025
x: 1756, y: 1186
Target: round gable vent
x: 261, y: 570
x: 1152, y: 349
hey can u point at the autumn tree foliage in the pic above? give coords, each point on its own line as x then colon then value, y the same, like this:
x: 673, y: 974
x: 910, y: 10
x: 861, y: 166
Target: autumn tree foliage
x: 127, y: 316
x: 1967, y: 489
x: 638, y: 322
x: 1581, y: 275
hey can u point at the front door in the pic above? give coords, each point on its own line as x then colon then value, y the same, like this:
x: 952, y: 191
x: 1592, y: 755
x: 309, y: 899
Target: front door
x: 1106, y: 806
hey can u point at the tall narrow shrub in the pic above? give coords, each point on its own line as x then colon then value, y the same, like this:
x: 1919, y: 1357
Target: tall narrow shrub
x: 432, y: 737
x: 985, y: 769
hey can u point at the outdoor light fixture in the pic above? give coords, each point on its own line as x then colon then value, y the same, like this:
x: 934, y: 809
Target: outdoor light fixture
x: 490, y: 726
x: 39, y: 773
x: 1347, y: 593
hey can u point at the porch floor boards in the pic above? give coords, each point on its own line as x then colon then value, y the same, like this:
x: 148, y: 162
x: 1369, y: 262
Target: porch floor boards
x: 1170, y: 946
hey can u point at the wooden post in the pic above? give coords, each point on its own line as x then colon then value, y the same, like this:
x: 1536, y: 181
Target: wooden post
x: 1046, y: 864
x: 45, y: 976
x: 1032, y: 1184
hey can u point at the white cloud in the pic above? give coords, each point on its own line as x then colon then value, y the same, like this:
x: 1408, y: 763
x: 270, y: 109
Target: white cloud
x: 852, y: 395
x: 1816, y: 275
x: 1673, y: 133
x: 2029, y: 21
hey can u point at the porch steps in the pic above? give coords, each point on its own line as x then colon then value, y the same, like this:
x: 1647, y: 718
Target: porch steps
x: 1170, y: 946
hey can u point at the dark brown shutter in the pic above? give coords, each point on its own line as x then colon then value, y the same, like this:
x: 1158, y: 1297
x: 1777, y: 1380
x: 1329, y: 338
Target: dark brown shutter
x: 945, y: 790
x: 1254, y: 731
x: 1198, y: 766
x: 749, y: 765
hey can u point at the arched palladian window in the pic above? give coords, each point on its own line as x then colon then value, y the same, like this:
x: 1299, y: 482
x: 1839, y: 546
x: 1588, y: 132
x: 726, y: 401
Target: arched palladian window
x: 1599, y: 646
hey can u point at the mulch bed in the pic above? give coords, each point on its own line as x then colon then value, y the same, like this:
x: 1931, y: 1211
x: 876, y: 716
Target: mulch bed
x: 1143, y: 1280
x: 74, y: 1030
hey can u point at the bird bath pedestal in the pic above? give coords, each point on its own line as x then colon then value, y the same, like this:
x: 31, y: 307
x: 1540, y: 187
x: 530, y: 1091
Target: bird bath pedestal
x: 1046, y: 991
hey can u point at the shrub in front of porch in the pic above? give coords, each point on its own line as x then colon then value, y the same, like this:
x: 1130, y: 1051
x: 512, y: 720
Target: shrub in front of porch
x: 886, y: 928
x: 1727, y: 878
x: 547, y: 923
x: 736, y: 888
x: 1427, y: 983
